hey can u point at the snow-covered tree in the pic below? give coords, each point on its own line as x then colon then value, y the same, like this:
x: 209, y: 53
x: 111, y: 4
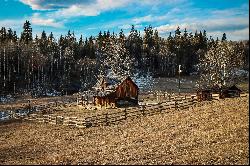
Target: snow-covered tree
x: 167, y: 60
x: 114, y: 59
x: 218, y: 65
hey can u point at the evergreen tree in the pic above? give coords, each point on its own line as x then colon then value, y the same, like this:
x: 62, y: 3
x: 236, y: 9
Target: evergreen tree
x: 148, y: 44
x: 177, y: 32
x: 224, y: 37
x: 42, y: 64
x: 134, y: 46
x: 26, y: 35
x: 3, y: 35
x: 10, y: 35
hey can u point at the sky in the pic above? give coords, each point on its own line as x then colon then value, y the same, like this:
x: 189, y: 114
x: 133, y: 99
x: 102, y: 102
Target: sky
x: 89, y: 17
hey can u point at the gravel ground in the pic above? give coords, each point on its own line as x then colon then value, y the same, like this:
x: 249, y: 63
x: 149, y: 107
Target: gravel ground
x: 212, y: 134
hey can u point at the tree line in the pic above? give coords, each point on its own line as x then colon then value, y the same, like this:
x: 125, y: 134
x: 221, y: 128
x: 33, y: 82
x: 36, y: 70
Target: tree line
x: 41, y: 64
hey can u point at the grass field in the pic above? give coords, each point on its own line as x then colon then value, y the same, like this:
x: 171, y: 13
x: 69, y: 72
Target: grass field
x: 211, y: 134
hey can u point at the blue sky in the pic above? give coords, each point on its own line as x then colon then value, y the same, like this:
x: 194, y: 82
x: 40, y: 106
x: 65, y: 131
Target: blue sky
x: 88, y: 17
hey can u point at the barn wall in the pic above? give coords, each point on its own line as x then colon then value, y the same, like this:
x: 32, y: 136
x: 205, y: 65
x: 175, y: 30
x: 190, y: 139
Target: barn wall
x: 127, y: 89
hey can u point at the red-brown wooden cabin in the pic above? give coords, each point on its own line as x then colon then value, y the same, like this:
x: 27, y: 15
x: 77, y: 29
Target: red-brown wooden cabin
x: 115, y: 93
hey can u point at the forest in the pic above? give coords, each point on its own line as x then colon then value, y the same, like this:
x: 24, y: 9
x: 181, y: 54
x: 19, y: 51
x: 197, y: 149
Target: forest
x: 38, y: 65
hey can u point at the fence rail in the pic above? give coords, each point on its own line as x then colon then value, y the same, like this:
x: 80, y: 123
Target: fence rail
x: 112, y: 118
x: 121, y: 115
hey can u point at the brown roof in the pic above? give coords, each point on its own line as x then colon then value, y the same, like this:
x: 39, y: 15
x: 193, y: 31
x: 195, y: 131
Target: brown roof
x: 234, y: 87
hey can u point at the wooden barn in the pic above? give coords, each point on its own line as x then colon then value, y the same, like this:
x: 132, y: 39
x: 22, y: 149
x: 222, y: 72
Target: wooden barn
x: 229, y: 92
x: 115, y: 93
x: 204, y: 94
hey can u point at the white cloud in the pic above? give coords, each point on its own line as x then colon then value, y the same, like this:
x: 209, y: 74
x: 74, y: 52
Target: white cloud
x: 234, y: 21
x: 236, y: 28
x: 129, y: 26
x: 75, y: 10
x: 171, y: 14
x: 72, y: 8
x: 208, y: 24
x: 53, y: 4
x: 56, y: 4
x: 160, y: 2
x: 241, y: 34
x: 147, y: 18
x: 34, y: 4
x: 12, y: 23
x: 92, y: 9
x: 36, y: 19
x: 76, y: 7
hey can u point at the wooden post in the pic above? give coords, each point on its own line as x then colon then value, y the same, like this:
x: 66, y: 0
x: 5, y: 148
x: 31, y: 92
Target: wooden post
x: 160, y: 109
x: 143, y: 110
x: 57, y: 120
x: 87, y: 123
x: 125, y: 114
x: 175, y: 105
x: 29, y: 105
x: 106, y: 119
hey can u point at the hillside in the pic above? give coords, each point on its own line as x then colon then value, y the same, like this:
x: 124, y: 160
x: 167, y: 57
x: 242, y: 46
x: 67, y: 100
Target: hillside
x: 212, y: 134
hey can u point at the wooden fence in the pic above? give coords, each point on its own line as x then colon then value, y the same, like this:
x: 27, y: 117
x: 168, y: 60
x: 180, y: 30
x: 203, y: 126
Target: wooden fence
x: 122, y: 114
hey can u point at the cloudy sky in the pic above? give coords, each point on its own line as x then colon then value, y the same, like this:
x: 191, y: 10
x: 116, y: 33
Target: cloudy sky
x: 88, y: 17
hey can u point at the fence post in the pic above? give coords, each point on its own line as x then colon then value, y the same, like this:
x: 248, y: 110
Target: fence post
x: 82, y: 100
x: 57, y: 119
x: 160, y: 109
x: 106, y: 119
x: 142, y: 111
x: 29, y: 105
x: 87, y: 123
x: 125, y: 114
x: 175, y: 104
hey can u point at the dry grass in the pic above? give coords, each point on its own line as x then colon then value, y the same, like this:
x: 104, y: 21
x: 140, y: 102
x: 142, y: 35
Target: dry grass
x: 212, y: 134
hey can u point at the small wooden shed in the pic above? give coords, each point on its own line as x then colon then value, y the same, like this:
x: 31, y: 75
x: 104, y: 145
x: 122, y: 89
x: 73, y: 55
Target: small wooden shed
x: 113, y: 92
x: 229, y: 92
x: 204, y: 94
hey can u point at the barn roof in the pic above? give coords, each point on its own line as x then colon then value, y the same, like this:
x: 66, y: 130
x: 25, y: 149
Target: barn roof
x: 234, y: 87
